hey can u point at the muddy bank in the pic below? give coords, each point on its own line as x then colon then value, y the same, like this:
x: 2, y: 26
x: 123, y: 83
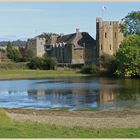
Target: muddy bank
x: 85, y: 119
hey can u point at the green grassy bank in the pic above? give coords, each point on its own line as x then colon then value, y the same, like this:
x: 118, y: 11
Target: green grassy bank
x: 33, y: 74
x: 13, y: 129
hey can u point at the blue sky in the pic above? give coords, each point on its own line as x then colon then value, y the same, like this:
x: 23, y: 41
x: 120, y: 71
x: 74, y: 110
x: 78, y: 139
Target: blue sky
x: 25, y: 20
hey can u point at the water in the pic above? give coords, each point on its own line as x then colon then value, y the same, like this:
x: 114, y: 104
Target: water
x: 71, y: 93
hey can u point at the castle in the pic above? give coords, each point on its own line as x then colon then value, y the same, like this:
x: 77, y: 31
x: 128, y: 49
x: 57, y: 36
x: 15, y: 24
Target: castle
x: 80, y: 47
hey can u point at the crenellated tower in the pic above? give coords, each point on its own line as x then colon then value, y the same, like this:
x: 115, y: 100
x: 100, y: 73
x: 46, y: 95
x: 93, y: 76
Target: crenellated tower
x: 108, y: 37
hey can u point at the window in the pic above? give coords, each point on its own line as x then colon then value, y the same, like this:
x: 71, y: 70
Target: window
x: 110, y: 46
x: 101, y: 47
x: 115, y: 35
x: 105, y: 34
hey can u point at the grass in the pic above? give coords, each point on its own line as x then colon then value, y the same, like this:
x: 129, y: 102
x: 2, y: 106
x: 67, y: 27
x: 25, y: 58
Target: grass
x: 33, y: 74
x: 13, y: 129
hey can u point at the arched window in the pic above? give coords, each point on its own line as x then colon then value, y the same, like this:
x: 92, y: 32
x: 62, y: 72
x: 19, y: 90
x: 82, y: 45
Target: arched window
x: 105, y: 34
x: 101, y: 47
x: 115, y: 35
x: 110, y: 47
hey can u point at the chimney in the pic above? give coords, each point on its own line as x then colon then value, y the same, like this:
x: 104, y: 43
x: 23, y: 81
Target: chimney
x: 77, y: 30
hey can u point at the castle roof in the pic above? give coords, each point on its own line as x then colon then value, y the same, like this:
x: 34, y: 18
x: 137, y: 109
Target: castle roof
x: 79, y: 39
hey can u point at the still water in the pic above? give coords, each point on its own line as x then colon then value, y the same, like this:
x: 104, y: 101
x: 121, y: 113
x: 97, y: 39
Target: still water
x: 71, y: 93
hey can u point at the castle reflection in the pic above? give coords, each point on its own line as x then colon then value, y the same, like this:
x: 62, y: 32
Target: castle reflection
x: 74, y: 97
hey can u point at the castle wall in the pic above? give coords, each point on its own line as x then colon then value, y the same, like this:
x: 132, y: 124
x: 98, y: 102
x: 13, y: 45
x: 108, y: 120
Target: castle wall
x: 78, y: 55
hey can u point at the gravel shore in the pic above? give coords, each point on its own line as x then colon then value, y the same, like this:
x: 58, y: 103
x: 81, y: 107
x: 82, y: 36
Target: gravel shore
x: 84, y: 119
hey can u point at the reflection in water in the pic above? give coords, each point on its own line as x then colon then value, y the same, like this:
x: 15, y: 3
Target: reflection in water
x: 66, y: 98
x: 73, y: 93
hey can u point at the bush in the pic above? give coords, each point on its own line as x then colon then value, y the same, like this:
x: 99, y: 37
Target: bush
x: 43, y: 63
x: 50, y: 64
x: 108, y: 63
x: 89, y: 69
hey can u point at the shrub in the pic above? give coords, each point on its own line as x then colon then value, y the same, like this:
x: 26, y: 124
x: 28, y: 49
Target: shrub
x: 108, y: 63
x: 43, y: 63
x: 89, y: 69
x: 36, y: 63
x: 49, y: 63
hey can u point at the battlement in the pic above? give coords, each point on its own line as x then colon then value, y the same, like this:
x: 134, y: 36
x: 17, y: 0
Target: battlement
x: 110, y: 24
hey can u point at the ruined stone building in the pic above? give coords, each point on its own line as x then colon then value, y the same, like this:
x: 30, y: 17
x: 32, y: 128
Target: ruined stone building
x: 76, y: 48
x: 108, y: 36
x: 80, y: 47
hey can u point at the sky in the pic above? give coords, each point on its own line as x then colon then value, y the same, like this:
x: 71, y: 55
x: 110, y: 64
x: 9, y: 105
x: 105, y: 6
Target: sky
x: 24, y: 20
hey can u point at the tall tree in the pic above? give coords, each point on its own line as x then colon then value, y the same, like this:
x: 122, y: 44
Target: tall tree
x: 131, y: 23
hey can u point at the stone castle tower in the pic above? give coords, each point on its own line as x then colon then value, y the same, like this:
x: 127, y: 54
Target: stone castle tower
x: 108, y: 37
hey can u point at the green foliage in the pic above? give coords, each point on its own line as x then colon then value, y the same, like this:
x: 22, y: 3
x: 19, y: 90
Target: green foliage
x: 43, y: 63
x: 89, y: 69
x: 128, y: 57
x: 131, y: 40
x: 50, y: 64
x: 131, y: 23
x: 13, y: 53
x: 108, y: 63
x: 36, y: 63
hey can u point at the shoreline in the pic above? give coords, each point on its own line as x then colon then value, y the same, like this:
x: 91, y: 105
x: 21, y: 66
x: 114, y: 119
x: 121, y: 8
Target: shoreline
x: 82, y: 119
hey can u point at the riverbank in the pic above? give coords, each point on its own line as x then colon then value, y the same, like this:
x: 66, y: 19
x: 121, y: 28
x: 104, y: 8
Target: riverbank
x: 37, y: 74
x: 18, y: 123
x: 82, y: 119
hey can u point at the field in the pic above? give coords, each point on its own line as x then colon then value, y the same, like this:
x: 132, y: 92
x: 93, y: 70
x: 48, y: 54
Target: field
x: 34, y: 74
x: 10, y: 128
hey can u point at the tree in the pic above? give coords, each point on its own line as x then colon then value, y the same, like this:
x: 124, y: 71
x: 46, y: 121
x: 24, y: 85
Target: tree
x: 128, y: 57
x: 13, y: 53
x: 131, y: 23
x: 108, y: 62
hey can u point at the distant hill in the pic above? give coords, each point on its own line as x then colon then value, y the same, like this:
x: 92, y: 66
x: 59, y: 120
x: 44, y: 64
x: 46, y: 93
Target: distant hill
x: 19, y: 43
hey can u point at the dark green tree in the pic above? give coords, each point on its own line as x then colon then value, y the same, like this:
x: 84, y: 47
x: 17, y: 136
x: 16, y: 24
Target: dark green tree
x: 13, y: 53
x: 108, y: 62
